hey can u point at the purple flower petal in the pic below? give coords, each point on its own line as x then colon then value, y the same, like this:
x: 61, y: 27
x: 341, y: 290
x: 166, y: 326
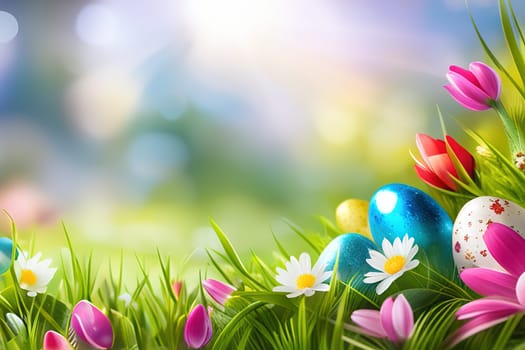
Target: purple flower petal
x: 386, y: 317
x: 487, y: 77
x: 465, y: 73
x: 218, y: 291
x: 506, y: 247
x: 479, y: 324
x: 369, y: 321
x: 489, y: 282
x: 520, y: 289
x: 465, y: 101
x: 198, y: 328
x: 485, y: 306
x: 403, y: 317
x: 467, y: 88
x: 91, y: 325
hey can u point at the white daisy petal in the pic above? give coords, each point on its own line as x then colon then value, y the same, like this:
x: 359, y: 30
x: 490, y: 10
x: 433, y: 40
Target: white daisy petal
x: 304, y: 262
x: 318, y: 268
x: 376, y: 278
x: 282, y: 289
x: 377, y: 260
x: 397, y: 244
x: 388, y: 249
x: 33, y: 275
x: 300, y: 278
x: 411, y: 265
x: 412, y: 252
x: 390, y: 266
x: 325, y: 275
x: 308, y: 292
x: 294, y: 294
x: 384, y: 285
x: 322, y: 288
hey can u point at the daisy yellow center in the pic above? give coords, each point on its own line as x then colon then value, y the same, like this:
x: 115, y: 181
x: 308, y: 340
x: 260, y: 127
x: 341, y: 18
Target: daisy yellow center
x: 394, y: 264
x: 28, y: 277
x: 306, y: 280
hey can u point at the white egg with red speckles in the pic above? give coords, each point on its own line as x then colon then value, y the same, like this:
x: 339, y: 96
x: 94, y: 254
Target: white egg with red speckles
x: 468, y: 247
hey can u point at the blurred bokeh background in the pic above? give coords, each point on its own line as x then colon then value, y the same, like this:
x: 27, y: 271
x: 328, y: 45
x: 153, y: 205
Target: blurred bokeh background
x: 133, y: 122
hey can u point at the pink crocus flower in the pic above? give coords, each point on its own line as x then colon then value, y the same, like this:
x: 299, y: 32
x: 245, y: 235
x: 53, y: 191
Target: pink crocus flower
x: 476, y: 88
x: 198, y: 328
x: 91, y: 325
x: 437, y: 168
x: 504, y: 291
x: 56, y: 341
x: 218, y: 291
x: 394, y: 321
x: 177, y: 288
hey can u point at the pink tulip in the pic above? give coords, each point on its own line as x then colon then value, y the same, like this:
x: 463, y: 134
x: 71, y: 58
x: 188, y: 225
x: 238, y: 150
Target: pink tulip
x: 395, y: 320
x: 218, y: 291
x: 437, y: 168
x: 198, y: 328
x: 55, y: 341
x: 476, y: 88
x: 504, y: 291
x: 91, y: 325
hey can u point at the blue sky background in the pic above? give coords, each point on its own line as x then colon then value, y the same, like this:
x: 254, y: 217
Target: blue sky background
x: 135, y: 121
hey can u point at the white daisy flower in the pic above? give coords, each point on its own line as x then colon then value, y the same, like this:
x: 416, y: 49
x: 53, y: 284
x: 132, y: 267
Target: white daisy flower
x: 33, y: 275
x: 300, y: 278
x: 397, y: 259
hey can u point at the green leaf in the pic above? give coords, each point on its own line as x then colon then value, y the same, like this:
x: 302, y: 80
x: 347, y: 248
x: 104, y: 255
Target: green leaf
x: 232, y: 254
x: 494, y: 59
x: 512, y: 42
x: 230, y: 331
x: 124, y: 332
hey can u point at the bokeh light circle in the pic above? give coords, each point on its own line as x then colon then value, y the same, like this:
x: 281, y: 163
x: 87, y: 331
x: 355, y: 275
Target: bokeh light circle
x: 97, y: 24
x: 8, y: 27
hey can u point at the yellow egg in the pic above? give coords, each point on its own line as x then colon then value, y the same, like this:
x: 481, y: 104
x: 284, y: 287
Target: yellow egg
x: 352, y: 216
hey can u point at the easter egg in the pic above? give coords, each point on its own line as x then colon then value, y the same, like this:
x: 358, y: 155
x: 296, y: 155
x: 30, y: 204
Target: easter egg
x: 352, y: 216
x: 6, y: 249
x: 350, y: 250
x: 398, y: 209
x: 468, y: 247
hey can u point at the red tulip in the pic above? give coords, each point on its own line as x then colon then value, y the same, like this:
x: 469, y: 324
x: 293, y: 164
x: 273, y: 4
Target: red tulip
x: 476, y: 88
x: 437, y: 168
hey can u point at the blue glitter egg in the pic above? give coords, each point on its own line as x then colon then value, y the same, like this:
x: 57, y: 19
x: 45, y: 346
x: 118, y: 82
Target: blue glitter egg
x: 6, y: 249
x: 351, y: 251
x: 398, y: 209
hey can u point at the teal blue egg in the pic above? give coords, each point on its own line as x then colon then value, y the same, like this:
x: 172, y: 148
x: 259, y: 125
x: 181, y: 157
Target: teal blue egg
x: 350, y: 250
x: 6, y: 249
x: 398, y: 209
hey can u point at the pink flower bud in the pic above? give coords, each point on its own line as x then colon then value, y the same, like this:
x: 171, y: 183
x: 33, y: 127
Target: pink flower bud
x: 91, y: 325
x: 198, y: 328
x: 55, y: 341
x: 177, y: 288
x: 394, y: 321
x: 476, y: 88
x: 218, y: 291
